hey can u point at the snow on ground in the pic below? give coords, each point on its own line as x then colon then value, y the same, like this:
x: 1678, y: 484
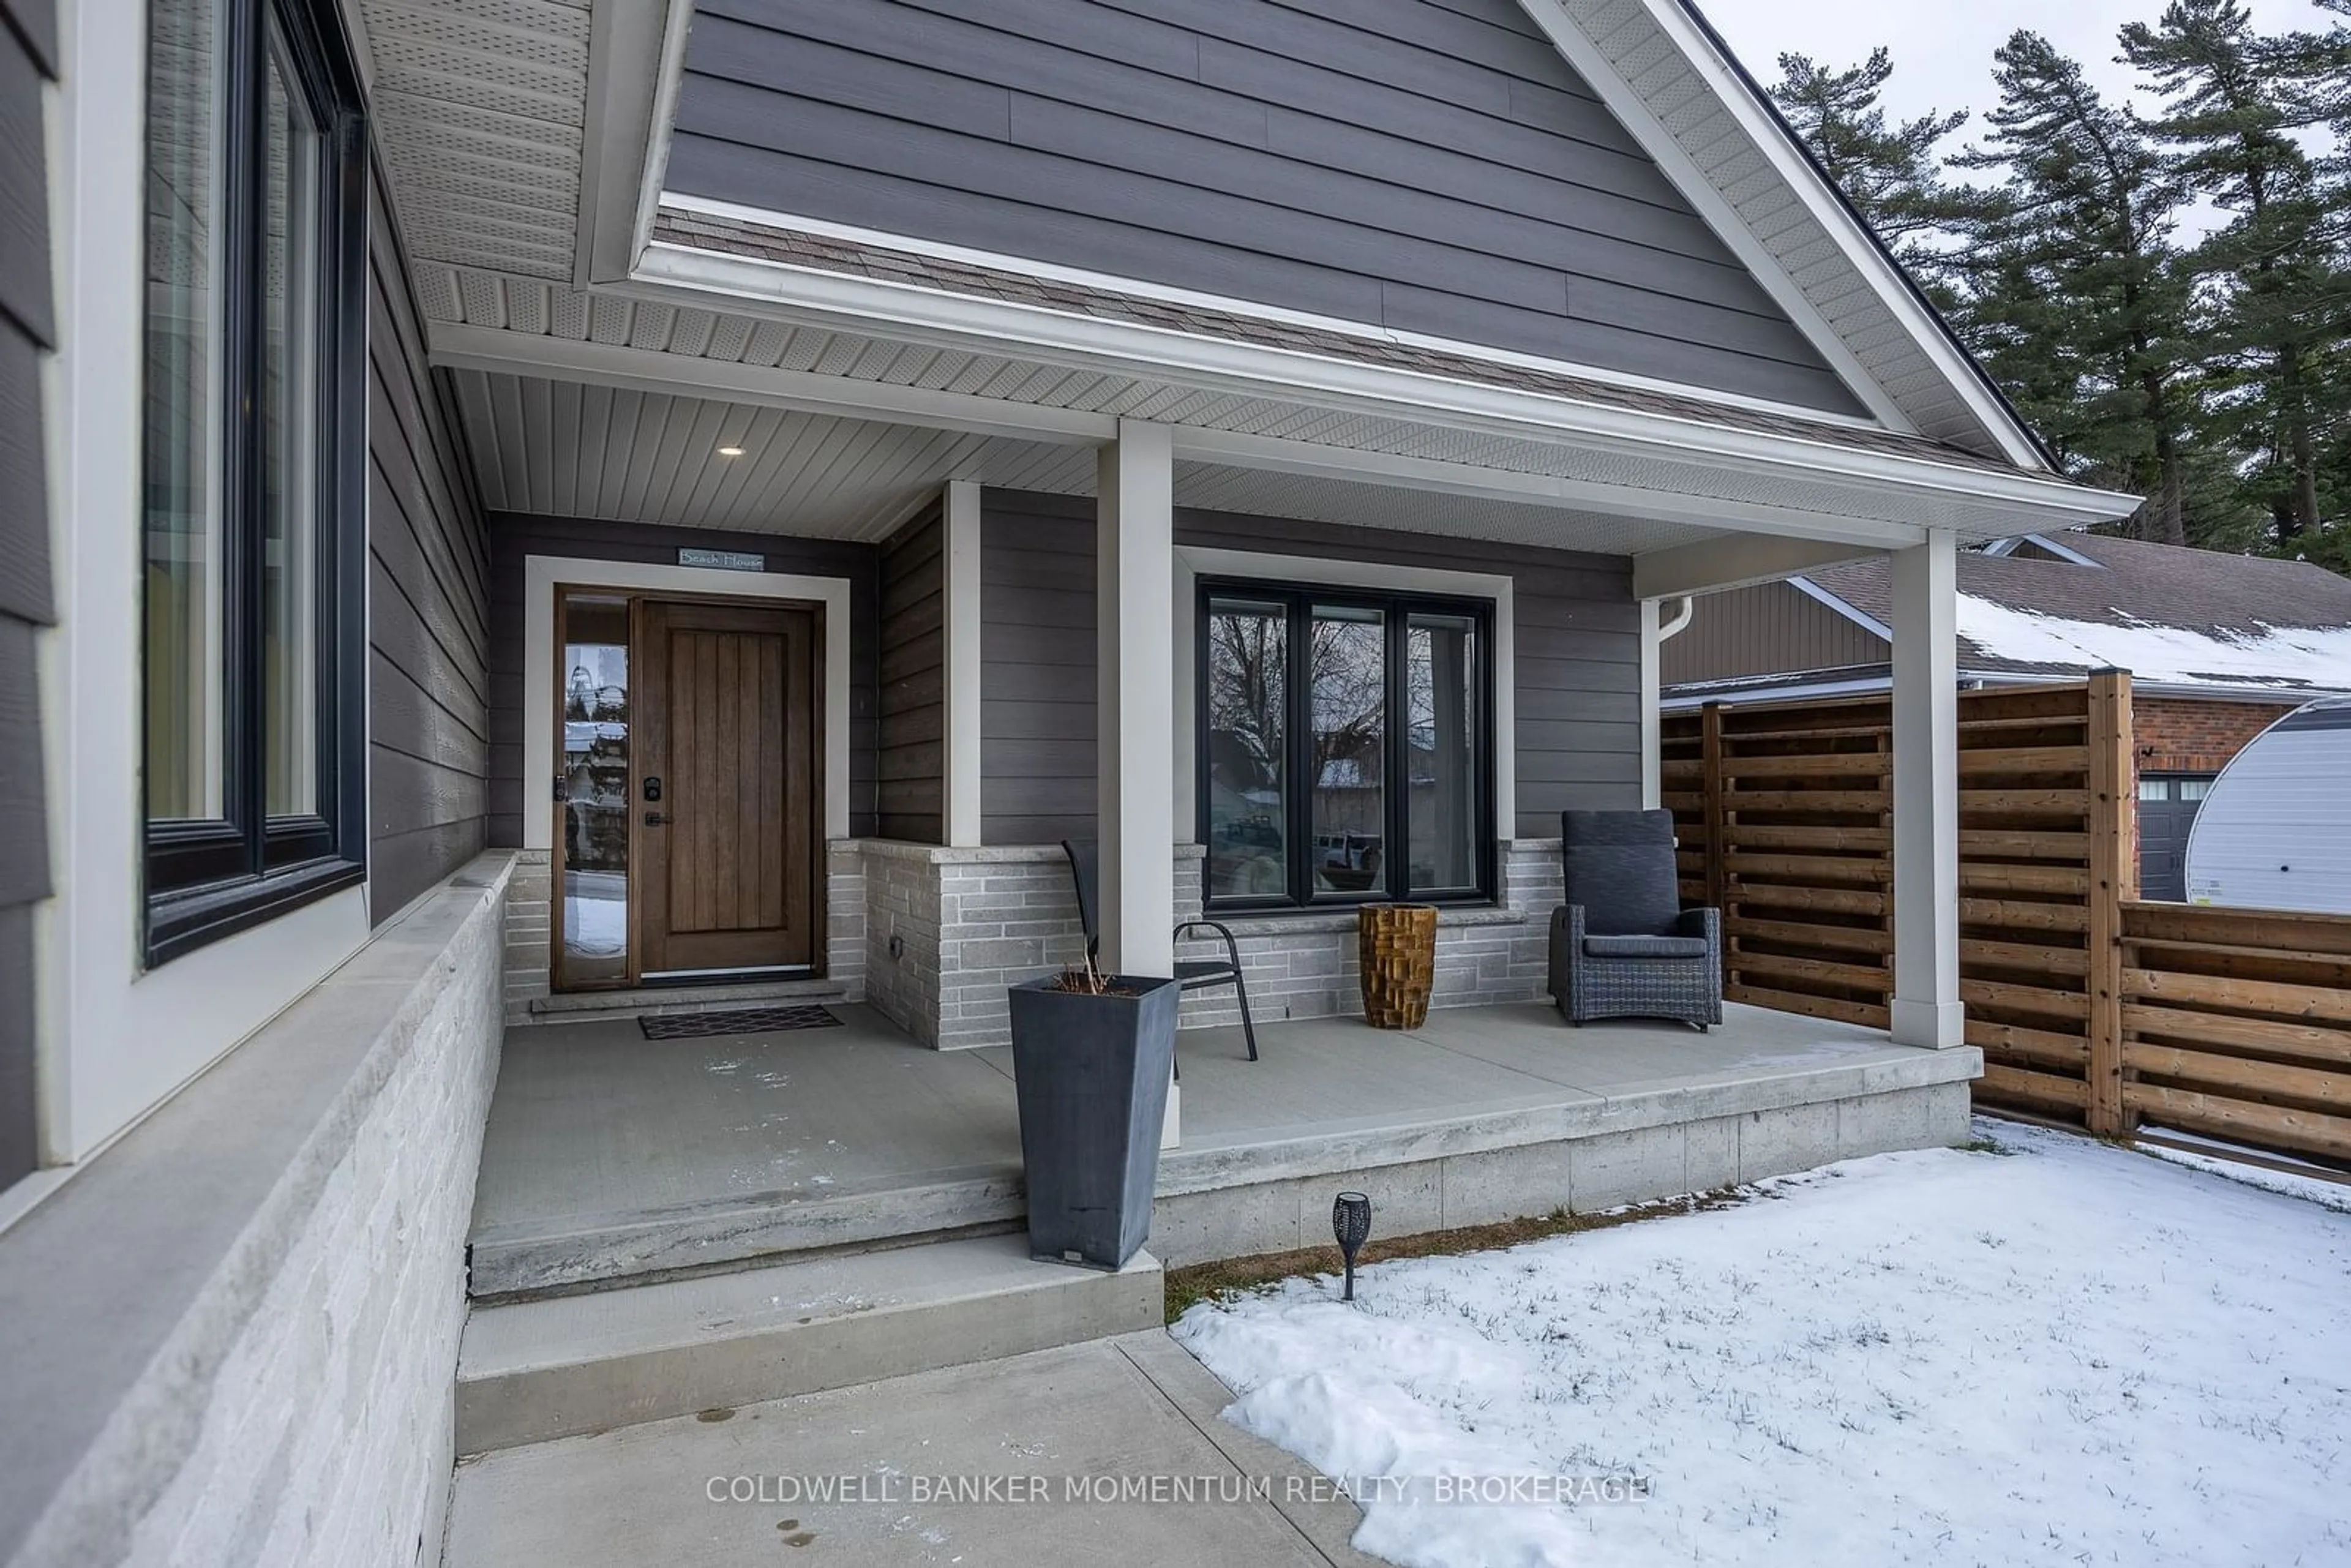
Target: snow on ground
x: 2070, y: 1353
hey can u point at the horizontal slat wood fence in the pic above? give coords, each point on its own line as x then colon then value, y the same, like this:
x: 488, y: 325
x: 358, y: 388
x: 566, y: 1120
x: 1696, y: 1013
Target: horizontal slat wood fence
x: 2090, y: 1006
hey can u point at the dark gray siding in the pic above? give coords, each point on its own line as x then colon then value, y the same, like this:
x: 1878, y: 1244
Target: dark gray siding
x: 1037, y: 659
x: 911, y: 761
x: 1769, y: 629
x: 1577, y: 675
x: 514, y: 538
x: 27, y: 59
x: 428, y: 605
x: 1430, y: 167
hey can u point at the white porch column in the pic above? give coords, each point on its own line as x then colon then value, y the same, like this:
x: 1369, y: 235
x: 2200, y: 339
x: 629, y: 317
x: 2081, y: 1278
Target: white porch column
x: 959, y: 574
x: 1927, y: 1010
x: 1135, y: 574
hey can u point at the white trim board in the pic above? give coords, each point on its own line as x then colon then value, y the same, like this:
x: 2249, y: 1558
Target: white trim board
x: 1192, y: 561
x: 542, y: 574
x: 961, y: 792
x: 1830, y: 602
x: 636, y: 51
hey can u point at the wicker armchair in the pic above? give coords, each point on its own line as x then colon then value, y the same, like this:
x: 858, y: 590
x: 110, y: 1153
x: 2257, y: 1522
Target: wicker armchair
x: 1623, y: 946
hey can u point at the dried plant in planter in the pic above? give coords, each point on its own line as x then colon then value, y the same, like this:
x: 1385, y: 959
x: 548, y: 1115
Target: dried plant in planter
x: 1085, y: 980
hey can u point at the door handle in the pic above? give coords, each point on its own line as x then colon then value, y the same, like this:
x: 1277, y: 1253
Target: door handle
x: 655, y: 820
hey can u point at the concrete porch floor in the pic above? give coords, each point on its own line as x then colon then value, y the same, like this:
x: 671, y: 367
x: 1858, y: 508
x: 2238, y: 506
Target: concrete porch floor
x: 609, y: 1155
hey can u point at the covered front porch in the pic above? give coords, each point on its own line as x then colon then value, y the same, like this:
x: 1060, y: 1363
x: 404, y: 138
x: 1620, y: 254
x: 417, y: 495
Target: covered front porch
x: 612, y: 1157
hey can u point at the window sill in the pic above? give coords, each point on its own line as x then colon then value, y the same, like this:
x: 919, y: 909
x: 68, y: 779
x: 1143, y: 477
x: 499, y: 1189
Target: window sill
x: 1289, y: 923
x: 180, y: 922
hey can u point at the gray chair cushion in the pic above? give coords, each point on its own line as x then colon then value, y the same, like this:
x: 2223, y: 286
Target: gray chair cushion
x: 1620, y: 867
x: 1644, y: 946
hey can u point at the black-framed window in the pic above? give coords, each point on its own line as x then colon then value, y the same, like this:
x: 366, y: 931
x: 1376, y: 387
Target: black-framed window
x: 1344, y: 746
x: 253, y: 453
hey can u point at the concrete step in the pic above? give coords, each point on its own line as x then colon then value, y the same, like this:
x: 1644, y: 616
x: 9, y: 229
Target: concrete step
x: 663, y: 1002
x: 535, y: 1370
x: 591, y: 1250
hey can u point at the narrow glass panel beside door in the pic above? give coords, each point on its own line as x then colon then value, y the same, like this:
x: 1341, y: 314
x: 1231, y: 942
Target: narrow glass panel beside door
x: 596, y: 793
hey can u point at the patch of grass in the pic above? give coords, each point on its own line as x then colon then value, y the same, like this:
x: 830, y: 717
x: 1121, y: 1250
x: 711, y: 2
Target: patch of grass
x: 1196, y: 1282
x: 1985, y: 1147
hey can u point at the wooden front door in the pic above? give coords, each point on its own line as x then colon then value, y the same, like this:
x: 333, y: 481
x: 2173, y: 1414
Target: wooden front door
x: 728, y: 761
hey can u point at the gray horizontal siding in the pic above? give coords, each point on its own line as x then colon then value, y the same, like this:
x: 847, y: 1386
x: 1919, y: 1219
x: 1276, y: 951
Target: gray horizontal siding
x: 1436, y: 168
x: 428, y: 606
x: 28, y: 60
x: 1769, y: 629
x: 1576, y: 675
x: 1036, y: 660
x: 515, y: 536
x: 910, y: 763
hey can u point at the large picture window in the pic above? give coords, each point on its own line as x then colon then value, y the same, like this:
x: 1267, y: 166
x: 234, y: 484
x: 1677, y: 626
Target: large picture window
x: 1344, y: 746
x: 252, y: 450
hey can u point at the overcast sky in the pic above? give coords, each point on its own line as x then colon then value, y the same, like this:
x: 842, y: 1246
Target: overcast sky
x: 1942, y: 49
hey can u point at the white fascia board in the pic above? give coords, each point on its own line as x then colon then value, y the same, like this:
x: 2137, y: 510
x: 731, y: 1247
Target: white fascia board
x: 1814, y: 592
x: 2065, y: 551
x: 1738, y: 560
x: 636, y: 51
x: 488, y: 349
x: 1797, y: 172
x: 1232, y: 305
x: 939, y: 318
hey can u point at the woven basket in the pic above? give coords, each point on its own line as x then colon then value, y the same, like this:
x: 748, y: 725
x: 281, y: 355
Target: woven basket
x: 1396, y: 944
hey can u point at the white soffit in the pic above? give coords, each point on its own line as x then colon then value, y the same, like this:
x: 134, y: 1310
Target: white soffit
x: 566, y: 449
x: 479, y: 108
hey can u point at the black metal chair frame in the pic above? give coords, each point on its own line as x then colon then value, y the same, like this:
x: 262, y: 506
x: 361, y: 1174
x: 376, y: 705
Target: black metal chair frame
x: 1191, y: 974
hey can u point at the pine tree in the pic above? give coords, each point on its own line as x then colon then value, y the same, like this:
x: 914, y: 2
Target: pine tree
x: 2271, y: 296
x: 1891, y: 172
x: 2074, y: 294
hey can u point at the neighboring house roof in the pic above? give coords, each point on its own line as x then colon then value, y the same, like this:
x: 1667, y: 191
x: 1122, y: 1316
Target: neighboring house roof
x: 2057, y: 606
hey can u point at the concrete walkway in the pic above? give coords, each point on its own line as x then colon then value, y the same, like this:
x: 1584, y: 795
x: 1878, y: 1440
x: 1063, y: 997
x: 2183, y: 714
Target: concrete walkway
x: 1133, y: 1411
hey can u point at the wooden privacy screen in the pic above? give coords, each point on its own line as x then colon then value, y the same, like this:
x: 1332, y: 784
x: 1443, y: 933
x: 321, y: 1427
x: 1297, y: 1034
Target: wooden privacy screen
x: 2090, y: 1006
x: 2237, y: 1023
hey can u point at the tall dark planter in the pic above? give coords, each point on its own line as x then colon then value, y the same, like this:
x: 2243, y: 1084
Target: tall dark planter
x: 1091, y: 1076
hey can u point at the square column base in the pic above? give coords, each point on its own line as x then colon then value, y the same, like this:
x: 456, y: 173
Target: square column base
x: 1937, y: 1026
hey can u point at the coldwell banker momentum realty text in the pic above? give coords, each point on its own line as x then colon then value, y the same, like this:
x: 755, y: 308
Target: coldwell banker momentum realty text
x: 893, y: 1488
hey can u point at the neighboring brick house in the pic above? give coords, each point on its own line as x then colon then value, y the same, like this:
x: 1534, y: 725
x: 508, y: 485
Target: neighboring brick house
x: 2219, y: 647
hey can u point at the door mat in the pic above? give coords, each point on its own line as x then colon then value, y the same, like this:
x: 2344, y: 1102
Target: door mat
x: 737, y: 1020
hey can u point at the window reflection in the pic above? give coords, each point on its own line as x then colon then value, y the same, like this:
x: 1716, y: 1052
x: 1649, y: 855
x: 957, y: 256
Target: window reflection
x: 1441, y: 686
x: 596, y: 790
x: 1248, y: 683
x: 1347, y: 661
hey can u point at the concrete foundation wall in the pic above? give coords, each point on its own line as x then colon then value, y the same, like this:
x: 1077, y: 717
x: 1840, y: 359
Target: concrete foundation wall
x: 948, y: 929
x: 258, y: 1292
x: 1585, y: 1175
